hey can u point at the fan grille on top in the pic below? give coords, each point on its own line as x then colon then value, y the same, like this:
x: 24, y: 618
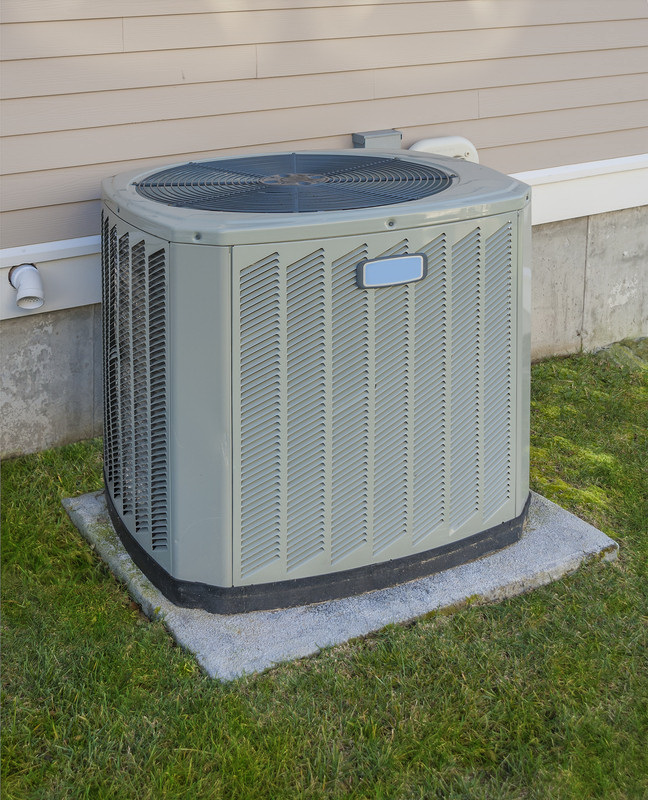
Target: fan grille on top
x: 293, y: 183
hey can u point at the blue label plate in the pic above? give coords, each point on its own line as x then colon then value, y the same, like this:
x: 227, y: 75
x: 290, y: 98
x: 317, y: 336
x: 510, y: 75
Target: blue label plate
x: 391, y: 271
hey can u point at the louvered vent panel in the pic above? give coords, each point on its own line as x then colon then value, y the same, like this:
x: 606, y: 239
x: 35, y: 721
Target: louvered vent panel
x: 464, y: 382
x: 158, y: 346
x: 125, y: 344
x: 111, y: 412
x: 392, y: 399
x: 498, y: 329
x: 306, y: 408
x: 350, y: 409
x: 430, y: 421
x: 134, y: 285
x: 373, y: 419
x: 108, y: 336
x: 261, y: 408
x: 141, y: 389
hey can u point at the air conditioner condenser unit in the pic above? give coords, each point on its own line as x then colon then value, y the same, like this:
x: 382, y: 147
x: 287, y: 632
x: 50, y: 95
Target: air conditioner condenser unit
x: 316, y: 371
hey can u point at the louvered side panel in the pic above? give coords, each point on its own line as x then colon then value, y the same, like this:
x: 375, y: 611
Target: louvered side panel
x: 141, y: 388
x: 497, y: 348
x: 261, y: 409
x: 158, y: 389
x: 111, y: 412
x: 430, y: 418
x: 134, y: 290
x: 350, y: 408
x: 107, y: 338
x: 124, y: 348
x: 392, y: 415
x: 464, y: 381
x: 306, y: 404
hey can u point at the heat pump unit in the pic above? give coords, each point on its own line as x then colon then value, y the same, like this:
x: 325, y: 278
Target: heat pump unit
x: 316, y: 371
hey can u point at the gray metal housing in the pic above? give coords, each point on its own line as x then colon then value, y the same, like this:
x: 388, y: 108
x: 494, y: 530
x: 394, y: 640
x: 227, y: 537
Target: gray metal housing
x: 267, y: 420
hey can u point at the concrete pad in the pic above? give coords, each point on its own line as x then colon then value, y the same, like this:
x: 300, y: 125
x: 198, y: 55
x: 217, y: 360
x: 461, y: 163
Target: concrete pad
x: 555, y: 543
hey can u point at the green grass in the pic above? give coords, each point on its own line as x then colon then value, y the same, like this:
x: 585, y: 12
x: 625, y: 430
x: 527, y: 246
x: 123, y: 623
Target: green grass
x: 542, y: 696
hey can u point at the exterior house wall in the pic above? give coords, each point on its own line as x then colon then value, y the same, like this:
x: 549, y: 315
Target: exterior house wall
x: 92, y: 89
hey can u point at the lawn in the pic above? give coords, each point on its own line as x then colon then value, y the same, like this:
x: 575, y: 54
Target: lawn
x: 541, y: 696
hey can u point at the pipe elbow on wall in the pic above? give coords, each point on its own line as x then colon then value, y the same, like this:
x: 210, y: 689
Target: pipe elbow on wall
x: 454, y: 146
x: 26, y: 279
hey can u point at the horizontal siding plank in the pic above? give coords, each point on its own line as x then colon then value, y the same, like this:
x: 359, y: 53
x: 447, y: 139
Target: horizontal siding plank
x: 69, y: 38
x: 115, y: 143
x: 448, y: 77
x: 23, y: 190
x: 38, y: 77
x: 296, y: 58
x: 574, y: 150
x: 525, y: 99
x: 511, y: 11
x: 50, y: 223
x: 299, y: 25
x: 97, y: 109
x: 42, y: 10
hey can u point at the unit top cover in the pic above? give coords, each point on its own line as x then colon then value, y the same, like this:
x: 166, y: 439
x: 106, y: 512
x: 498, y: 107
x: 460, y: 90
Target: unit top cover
x: 275, y: 197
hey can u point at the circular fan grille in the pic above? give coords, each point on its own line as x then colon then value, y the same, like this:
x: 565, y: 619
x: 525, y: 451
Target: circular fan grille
x: 294, y: 182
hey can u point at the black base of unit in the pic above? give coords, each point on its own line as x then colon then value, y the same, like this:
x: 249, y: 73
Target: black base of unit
x: 301, y: 591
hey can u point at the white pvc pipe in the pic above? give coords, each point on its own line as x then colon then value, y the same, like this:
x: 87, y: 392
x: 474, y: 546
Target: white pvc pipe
x: 454, y: 146
x: 27, y: 281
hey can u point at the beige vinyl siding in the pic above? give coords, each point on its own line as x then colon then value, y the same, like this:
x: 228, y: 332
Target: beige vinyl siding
x: 92, y: 89
x: 39, y: 10
x: 293, y: 58
x: 100, y: 73
x: 443, y: 14
x: 567, y: 150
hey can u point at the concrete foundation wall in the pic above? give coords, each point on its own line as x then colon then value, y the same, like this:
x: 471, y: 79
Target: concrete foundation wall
x: 50, y: 390
x: 590, y: 282
x: 590, y: 288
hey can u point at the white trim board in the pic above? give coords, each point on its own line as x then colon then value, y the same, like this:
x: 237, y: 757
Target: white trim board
x: 71, y: 269
x: 580, y: 190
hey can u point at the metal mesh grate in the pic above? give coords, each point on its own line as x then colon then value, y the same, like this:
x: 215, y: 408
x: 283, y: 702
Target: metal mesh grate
x: 294, y: 182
